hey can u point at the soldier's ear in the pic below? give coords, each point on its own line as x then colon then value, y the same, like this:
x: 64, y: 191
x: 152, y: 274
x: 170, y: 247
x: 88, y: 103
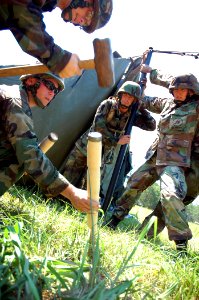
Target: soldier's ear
x: 191, y: 92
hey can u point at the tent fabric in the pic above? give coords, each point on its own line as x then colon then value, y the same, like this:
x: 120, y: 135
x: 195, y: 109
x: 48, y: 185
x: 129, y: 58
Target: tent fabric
x: 72, y: 111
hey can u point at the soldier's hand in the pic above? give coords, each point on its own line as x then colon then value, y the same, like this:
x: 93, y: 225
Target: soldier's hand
x: 79, y: 199
x: 72, y: 68
x: 124, y: 139
x: 144, y: 56
x: 145, y: 68
x: 143, y: 83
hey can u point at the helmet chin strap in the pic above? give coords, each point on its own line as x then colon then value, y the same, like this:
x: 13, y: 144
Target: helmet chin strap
x: 123, y: 106
x: 33, y: 89
x: 188, y: 98
x: 38, y: 102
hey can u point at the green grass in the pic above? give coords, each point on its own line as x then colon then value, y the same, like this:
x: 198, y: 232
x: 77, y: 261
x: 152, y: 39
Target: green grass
x: 46, y: 254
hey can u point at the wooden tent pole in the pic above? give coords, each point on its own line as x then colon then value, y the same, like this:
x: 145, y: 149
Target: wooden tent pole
x: 94, y: 152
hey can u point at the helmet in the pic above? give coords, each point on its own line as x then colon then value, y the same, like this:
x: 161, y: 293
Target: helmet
x: 102, y: 13
x: 59, y: 80
x: 132, y: 88
x: 186, y: 81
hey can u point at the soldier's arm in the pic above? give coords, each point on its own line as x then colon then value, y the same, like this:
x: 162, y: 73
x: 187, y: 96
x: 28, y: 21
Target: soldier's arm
x: 144, y: 120
x: 100, y: 125
x: 29, y: 30
x: 158, y: 78
x: 154, y: 104
x: 20, y: 132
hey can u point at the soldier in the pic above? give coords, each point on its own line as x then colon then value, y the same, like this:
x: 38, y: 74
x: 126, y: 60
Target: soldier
x: 19, y: 149
x: 191, y: 174
x: 25, y: 20
x: 168, y: 158
x: 110, y: 120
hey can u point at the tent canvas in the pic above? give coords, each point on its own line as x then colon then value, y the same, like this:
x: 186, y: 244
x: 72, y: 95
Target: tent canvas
x: 72, y: 111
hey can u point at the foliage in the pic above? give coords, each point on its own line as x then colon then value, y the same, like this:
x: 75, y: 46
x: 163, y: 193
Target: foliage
x: 193, y: 213
x: 150, y: 197
x: 46, y: 254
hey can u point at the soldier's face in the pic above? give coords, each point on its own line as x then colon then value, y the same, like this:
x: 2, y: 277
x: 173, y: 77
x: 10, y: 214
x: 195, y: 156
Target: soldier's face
x: 127, y: 100
x: 47, y: 90
x: 180, y: 94
x: 80, y: 16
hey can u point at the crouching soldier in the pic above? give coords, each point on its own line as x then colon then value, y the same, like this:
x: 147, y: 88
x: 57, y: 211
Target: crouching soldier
x: 19, y: 149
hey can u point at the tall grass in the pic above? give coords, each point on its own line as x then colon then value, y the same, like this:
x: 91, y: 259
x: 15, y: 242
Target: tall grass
x: 44, y: 254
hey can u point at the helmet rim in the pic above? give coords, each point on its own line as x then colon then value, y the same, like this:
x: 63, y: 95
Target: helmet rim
x: 95, y: 22
x: 185, y: 81
x: 134, y: 86
x: 59, y: 80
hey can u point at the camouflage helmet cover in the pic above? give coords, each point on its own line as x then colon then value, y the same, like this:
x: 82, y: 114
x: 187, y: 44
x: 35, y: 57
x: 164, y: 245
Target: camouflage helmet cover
x: 132, y: 88
x: 59, y: 80
x: 102, y: 14
x: 186, y: 81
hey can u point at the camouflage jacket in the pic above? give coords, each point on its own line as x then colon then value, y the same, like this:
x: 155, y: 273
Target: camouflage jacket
x: 111, y: 124
x: 157, y: 77
x: 25, y: 20
x: 176, y: 130
x: 19, y: 149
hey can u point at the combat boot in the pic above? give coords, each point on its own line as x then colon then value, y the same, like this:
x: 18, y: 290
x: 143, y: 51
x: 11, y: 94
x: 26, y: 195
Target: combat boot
x: 181, y: 246
x: 112, y: 222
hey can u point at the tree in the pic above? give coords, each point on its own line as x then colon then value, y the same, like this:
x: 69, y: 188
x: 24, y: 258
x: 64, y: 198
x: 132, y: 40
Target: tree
x: 193, y: 213
x: 150, y: 197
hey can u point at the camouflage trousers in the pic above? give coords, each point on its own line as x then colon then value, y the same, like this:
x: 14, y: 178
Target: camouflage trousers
x: 75, y: 168
x: 173, y: 190
x: 107, y: 171
x: 192, y: 180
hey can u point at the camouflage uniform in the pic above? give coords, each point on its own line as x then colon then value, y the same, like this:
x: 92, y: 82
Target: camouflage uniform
x: 19, y: 150
x: 110, y: 123
x: 167, y: 160
x: 76, y: 162
x: 25, y: 20
x: 191, y: 174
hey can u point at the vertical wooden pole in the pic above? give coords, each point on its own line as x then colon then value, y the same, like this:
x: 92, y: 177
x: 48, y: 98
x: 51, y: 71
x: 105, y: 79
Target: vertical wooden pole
x: 94, y: 153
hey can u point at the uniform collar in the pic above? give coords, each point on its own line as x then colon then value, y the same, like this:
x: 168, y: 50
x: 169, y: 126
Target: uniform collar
x: 25, y: 103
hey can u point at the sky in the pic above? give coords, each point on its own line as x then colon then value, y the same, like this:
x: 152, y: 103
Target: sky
x: 135, y: 26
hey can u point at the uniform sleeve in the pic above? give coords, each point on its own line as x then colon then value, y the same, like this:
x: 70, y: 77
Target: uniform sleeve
x: 158, y: 78
x: 28, y: 29
x: 33, y: 161
x: 154, y: 104
x: 144, y: 120
x: 100, y: 125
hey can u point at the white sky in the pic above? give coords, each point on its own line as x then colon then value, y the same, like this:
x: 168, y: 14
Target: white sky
x: 135, y: 26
